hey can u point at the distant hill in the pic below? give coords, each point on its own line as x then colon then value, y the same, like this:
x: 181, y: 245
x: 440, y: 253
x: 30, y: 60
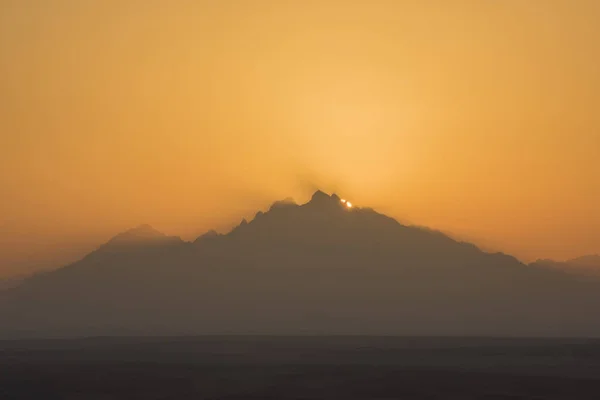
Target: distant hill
x: 315, y: 268
x: 139, y: 237
x: 591, y: 262
x: 586, y: 265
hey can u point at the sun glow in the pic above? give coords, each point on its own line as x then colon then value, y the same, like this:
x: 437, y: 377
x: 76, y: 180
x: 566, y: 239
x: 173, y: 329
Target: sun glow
x: 346, y: 203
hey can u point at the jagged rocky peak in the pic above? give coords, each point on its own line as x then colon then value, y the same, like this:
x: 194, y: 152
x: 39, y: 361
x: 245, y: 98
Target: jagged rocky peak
x: 321, y: 199
x: 320, y: 196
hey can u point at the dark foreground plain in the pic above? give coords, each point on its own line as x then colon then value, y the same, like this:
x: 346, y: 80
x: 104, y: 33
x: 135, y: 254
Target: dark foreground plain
x: 261, y: 367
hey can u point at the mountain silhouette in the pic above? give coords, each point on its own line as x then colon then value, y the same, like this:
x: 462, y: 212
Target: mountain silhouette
x: 141, y: 236
x: 589, y: 261
x: 317, y: 268
x: 585, y: 265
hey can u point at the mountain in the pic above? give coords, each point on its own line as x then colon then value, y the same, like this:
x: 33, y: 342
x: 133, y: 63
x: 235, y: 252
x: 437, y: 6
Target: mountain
x: 590, y: 262
x: 8, y: 283
x: 322, y: 267
x: 140, y: 237
x: 586, y: 265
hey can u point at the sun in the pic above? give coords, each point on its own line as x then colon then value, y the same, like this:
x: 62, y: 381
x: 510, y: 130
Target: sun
x: 346, y: 203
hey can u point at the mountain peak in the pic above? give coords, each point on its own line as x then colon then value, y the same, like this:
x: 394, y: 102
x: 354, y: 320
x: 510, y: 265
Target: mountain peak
x: 146, y: 229
x: 320, y: 196
x: 208, y: 236
x: 140, y: 235
x: 143, y: 231
x: 324, y: 201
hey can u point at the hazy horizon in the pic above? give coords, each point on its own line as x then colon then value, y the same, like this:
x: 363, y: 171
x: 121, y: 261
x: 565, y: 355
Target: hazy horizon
x: 478, y: 119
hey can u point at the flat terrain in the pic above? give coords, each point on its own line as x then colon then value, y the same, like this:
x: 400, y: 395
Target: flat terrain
x: 261, y: 367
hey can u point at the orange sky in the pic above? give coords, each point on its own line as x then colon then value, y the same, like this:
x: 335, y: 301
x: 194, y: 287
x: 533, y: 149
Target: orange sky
x: 480, y: 118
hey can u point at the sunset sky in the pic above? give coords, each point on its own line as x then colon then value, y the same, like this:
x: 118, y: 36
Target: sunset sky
x: 480, y: 118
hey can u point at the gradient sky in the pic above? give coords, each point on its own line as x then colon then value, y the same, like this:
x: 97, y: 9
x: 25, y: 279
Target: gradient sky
x: 476, y: 117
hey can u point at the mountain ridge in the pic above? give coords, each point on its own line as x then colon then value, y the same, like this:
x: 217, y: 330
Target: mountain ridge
x: 319, y: 267
x: 588, y: 265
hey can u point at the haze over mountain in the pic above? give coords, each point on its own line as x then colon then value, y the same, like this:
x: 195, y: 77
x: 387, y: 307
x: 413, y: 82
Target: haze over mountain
x: 318, y: 268
x: 586, y: 265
